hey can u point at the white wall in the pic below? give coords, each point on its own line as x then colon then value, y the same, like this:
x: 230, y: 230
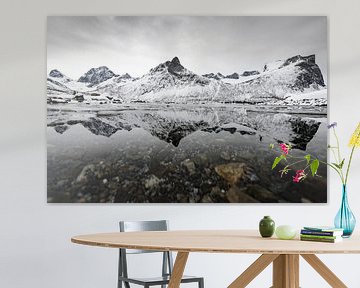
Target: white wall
x: 35, y: 248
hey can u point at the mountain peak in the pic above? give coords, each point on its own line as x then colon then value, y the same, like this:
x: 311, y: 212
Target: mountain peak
x: 175, y: 61
x: 233, y: 76
x: 250, y: 73
x: 102, y: 68
x: 174, y: 66
x: 56, y: 73
x: 282, y: 63
x: 309, y: 59
x: 217, y: 76
x: 97, y: 75
x: 125, y: 76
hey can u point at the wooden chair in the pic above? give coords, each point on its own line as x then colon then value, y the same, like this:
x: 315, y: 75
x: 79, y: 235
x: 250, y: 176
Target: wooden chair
x: 167, y: 262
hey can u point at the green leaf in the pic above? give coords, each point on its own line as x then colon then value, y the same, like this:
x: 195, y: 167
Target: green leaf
x: 336, y: 165
x: 339, y: 166
x: 342, y: 163
x: 308, y: 158
x: 314, y: 166
x: 276, y: 161
x: 272, y: 146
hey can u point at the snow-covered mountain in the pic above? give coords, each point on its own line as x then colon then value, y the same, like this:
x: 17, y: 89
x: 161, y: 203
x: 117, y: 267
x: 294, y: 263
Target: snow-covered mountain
x: 281, y: 82
x: 58, y: 83
x: 282, y: 79
x: 170, y: 82
x: 235, y: 75
x: 56, y: 74
x: 217, y: 76
x: 63, y: 89
x: 110, y: 87
x: 96, y: 75
x: 250, y: 73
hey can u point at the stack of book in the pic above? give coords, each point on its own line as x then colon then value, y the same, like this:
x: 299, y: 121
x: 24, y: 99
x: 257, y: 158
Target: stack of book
x: 321, y: 234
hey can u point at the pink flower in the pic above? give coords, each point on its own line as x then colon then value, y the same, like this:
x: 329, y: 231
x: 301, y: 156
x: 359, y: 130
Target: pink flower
x: 300, y: 175
x: 284, y: 148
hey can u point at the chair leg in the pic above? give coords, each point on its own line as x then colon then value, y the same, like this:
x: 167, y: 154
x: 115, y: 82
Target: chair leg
x: 201, y: 283
x: 120, y: 272
x: 164, y: 266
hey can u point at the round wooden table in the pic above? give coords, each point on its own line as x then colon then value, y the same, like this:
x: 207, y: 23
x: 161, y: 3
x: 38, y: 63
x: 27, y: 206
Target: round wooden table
x: 284, y: 254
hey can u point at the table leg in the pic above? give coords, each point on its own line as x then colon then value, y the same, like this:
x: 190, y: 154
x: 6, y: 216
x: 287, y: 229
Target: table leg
x: 253, y: 270
x: 178, y: 269
x: 286, y: 271
x: 324, y: 271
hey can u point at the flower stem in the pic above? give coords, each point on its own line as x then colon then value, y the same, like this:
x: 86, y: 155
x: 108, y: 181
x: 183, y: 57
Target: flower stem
x: 350, y: 159
x: 339, y: 155
x: 348, y: 167
x: 338, y: 145
x: 336, y: 169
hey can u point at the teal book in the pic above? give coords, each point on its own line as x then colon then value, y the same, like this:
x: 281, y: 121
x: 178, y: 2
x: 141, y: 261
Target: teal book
x: 323, y: 228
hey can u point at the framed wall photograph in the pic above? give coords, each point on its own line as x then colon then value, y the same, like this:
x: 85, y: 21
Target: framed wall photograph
x: 184, y: 109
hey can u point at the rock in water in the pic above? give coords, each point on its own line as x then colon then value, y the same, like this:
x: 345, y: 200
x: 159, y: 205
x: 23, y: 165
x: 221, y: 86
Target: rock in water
x: 152, y: 182
x: 261, y: 194
x: 189, y: 165
x: 225, y: 155
x: 235, y: 173
x: 87, y: 171
x: 237, y: 195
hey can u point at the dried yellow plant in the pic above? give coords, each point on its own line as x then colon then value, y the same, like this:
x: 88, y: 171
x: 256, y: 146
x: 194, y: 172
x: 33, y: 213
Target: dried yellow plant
x: 355, y: 138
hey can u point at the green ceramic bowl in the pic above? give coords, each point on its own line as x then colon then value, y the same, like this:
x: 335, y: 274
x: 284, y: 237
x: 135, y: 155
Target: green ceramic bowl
x: 285, y: 232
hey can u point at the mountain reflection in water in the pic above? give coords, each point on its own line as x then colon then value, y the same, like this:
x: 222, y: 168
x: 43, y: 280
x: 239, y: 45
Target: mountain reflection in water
x: 184, y: 153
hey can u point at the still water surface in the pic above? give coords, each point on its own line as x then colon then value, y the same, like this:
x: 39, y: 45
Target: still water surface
x: 173, y: 153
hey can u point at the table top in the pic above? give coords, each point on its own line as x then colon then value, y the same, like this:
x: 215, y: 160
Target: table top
x: 216, y: 241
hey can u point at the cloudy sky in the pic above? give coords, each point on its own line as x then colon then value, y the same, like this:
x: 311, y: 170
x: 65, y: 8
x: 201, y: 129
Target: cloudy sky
x: 203, y: 44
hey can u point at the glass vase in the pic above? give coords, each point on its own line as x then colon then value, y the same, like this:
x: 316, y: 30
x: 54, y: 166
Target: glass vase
x: 345, y: 219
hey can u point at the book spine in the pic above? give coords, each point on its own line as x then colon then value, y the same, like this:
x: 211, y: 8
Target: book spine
x: 317, y: 239
x: 318, y: 236
x: 319, y: 233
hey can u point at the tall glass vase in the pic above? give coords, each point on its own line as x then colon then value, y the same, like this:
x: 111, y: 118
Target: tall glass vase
x: 345, y: 219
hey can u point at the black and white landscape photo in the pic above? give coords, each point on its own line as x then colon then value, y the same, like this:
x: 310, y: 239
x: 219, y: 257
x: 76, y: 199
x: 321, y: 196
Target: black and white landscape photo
x: 184, y: 109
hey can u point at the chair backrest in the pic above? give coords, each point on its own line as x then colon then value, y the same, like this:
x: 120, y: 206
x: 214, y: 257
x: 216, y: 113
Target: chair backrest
x: 137, y: 226
x: 134, y: 226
